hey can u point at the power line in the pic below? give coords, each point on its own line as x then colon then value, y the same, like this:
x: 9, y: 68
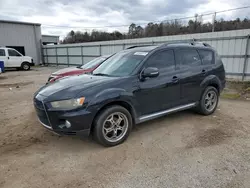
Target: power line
x: 169, y: 20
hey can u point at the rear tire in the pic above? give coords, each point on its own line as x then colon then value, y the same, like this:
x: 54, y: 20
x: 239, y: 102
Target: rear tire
x: 112, y: 126
x: 209, y: 101
x: 25, y: 66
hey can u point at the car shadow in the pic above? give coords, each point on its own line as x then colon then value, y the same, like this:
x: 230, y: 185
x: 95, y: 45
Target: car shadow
x: 76, y: 144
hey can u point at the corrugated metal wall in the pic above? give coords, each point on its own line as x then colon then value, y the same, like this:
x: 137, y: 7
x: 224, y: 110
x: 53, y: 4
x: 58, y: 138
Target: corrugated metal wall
x: 18, y: 34
x: 233, y: 46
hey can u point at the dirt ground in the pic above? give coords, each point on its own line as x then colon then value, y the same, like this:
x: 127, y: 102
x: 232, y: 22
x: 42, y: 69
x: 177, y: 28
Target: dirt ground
x: 179, y: 150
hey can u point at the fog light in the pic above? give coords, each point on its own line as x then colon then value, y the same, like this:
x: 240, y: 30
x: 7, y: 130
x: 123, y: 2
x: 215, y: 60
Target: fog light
x: 67, y: 124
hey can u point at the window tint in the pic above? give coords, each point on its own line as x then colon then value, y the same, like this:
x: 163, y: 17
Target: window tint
x: 162, y: 59
x: 2, y: 52
x: 13, y: 53
x: 188, y: 57
x: 206, y: 57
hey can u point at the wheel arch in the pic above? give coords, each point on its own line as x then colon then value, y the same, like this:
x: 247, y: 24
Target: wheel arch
x: 125, y: 104
x: 24, y: 63
x: 211, y: 80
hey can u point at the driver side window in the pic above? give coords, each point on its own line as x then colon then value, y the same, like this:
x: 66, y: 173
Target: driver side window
x: 13, y: 53
x: 161, y: 60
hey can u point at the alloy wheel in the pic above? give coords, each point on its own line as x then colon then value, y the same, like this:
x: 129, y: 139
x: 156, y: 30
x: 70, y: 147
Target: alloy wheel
x: 210, y: 100
x: 115, y: 127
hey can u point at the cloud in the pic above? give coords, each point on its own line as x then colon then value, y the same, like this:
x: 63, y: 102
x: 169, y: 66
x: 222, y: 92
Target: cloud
x: 85, y: 15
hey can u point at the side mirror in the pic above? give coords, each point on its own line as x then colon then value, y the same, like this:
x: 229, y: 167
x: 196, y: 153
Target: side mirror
x: 150, y: 72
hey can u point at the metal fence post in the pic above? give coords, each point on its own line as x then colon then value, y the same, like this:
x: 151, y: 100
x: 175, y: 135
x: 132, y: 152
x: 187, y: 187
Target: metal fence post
x: 47, y: 57
x: 245, y: 58
x: 56, y: 58
x: 67, y: 55
x: 82, y: 54
x: 100, y: 50
x: 43, y: 56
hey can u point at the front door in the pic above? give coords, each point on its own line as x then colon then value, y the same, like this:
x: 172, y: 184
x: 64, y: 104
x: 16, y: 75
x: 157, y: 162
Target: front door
x: 162, y: 92
x: 14, y: 58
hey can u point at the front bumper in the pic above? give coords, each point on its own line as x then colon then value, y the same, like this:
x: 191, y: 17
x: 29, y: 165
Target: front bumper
x: 80, y: 119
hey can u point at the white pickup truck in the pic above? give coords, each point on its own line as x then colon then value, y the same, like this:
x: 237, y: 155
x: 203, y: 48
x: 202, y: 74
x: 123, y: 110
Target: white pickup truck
x: 14, y: 59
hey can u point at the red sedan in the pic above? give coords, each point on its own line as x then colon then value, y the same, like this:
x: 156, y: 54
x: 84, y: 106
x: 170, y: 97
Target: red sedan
x: 70, y: 71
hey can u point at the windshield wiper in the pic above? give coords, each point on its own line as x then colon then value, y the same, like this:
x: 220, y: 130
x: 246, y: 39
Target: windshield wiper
x: 101, y: 74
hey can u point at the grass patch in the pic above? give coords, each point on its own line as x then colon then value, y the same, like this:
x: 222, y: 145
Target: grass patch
x: 247, y: 89
x: 230, y: 95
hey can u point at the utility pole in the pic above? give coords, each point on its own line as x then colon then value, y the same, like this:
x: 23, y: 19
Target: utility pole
x: 213, y: 22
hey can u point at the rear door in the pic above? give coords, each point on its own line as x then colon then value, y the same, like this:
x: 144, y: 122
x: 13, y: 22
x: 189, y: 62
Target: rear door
x: 14, y: 58
x: 3, y: 57
x: 191, y: 76
x: 162, y: 92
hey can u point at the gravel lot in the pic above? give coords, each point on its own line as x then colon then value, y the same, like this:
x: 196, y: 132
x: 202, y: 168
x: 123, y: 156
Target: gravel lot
x: 180, y: 150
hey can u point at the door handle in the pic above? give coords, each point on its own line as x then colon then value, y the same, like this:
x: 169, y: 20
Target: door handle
x: 175, y: 79
x: 203, y: 71
x: 8, y: 57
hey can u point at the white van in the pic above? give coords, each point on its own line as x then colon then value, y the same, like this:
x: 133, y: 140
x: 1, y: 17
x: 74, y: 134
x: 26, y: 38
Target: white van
x: 14, y: 59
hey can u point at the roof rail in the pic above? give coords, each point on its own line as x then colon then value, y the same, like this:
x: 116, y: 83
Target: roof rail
x: 137, y: 46
x: 188, y: 42
x: 200, y: 43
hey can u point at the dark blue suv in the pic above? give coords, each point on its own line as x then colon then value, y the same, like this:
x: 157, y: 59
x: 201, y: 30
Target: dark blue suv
x: 134, y: 85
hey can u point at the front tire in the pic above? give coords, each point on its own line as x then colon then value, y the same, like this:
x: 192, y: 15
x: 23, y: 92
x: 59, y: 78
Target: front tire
x: 209, y: 101
x: 112, y: 126
x: 25, y: 66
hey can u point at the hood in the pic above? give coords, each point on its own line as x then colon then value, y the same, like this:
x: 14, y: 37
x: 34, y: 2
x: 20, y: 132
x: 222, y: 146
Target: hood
x: 26, y: 58
x: 66, y: 70
x: 69, y: 87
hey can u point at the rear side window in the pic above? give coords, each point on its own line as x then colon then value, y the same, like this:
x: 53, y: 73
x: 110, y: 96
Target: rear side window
x: 206, y: 57
x: 2, y: 52
x: 162, y: 59
x: 188, y: 57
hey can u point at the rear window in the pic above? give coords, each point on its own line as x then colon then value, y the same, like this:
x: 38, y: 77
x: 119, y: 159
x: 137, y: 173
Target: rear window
x: 2, y: 52
x: 206, y: 57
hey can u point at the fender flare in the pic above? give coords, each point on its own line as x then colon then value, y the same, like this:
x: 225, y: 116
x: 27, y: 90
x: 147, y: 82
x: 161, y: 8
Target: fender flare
x: 211, y: 80
x: 114, y: 95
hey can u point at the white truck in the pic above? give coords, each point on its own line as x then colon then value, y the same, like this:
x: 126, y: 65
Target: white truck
x: 14, y: 59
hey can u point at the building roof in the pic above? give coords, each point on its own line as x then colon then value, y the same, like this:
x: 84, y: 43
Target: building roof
x: 18, y: 22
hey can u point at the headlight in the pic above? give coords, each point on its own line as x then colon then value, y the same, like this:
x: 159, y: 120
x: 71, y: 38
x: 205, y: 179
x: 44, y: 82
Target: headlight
x: 68, y: 104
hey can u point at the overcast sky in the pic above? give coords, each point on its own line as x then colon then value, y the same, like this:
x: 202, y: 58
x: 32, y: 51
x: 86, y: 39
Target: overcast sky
x: 85, y: 15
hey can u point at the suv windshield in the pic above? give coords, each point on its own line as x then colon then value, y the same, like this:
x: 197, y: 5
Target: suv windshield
x: 93, y: 63
x: 120, y: 64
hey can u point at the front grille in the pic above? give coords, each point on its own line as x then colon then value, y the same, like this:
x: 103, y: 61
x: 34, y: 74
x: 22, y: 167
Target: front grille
x: 41, y: 113
x: 42, y: 116
x: 44, y: 120
x: 38, y: 104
